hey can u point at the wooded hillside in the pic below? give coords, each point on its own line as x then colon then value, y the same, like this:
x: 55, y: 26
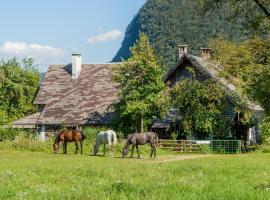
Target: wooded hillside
x: 169, y: 23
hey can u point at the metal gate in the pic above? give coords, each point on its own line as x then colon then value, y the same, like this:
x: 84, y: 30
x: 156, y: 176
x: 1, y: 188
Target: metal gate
x: 202, y: 146
x: 225, y: 146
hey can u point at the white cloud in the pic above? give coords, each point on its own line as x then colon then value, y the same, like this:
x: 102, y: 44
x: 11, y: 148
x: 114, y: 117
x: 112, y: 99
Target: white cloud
x: 104, y: 37
x: 43, y: 54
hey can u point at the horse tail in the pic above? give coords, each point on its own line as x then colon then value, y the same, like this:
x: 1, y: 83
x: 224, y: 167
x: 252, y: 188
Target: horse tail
x: 83, y: 135
x: 156, y: 139
x: 114, y: 138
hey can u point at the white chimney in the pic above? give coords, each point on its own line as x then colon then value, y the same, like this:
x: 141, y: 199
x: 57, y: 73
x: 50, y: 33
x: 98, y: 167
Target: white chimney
x: 182, y: 50
x: 76, y: 65
x: 206, y: 53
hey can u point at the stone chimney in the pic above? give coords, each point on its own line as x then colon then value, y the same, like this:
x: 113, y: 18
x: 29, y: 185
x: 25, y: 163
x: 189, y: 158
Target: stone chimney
x: 182, y: 50
x: 76, y: 65
x: 206, y: 53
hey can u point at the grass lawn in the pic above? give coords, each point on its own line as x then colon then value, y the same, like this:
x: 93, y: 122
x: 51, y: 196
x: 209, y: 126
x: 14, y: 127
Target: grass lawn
x: 37, y: 175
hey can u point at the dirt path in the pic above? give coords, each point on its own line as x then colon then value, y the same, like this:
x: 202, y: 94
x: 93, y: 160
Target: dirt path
x: 165, y: 159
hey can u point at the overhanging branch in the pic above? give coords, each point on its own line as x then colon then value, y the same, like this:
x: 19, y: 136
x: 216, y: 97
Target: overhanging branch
x: 263, y: 8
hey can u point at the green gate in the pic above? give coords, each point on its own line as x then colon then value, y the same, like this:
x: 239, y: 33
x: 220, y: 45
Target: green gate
x: 225, y: 146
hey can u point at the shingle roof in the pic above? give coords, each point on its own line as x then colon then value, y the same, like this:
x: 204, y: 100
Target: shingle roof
x: 84, y: 100
x: 212, y: 70
x: 27, y: 122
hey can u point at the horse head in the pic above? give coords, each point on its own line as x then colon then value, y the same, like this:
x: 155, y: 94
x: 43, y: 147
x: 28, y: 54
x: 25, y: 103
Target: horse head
x: 124, y: 152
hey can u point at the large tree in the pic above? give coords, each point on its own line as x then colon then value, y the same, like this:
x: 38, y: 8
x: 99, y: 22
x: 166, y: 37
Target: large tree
x: 202, y: 106
x: 142, y: 93
x: 247, y: 65
x: 18, y: 86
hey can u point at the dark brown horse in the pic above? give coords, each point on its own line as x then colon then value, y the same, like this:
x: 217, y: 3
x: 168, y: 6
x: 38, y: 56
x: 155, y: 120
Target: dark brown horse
x: 137, y: 139
x: 69, y: 136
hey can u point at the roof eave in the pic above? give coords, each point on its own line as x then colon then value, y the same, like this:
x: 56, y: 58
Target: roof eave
x: 171, y: 70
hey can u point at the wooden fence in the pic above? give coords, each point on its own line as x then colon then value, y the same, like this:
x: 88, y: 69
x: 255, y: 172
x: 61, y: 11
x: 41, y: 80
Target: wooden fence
x: 188, y: 146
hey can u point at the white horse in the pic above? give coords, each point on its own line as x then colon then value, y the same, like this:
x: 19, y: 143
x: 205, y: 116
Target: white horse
x: 105, y: 137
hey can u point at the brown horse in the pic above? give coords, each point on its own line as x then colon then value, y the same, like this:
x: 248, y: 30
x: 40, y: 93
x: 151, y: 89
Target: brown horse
x: 137, y: 139
x: 69, y: 136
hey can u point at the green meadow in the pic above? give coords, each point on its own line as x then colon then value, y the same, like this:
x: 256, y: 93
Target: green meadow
x: 26, y: 174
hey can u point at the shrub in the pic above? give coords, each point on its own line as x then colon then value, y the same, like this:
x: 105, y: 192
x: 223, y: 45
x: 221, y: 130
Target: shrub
x: 28, y: 143
x: 204, y: 148
x: 10, y: 133
x: 265, y: 131
x: 174, y: 135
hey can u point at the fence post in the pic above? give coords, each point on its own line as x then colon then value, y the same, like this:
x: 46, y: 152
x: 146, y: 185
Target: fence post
x: 182, y: 146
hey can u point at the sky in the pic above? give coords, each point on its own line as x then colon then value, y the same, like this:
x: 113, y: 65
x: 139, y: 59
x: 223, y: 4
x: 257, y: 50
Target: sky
x: 50, y: 31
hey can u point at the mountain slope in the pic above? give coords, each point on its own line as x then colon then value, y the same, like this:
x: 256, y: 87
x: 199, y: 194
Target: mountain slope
x: 169, y: 23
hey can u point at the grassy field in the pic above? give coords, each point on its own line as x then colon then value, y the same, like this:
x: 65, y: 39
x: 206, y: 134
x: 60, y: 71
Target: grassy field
x: 38, y: 175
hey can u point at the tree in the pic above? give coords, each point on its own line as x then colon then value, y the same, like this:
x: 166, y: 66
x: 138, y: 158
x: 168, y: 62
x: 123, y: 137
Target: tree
x: 202, y: 107
x: 142, y: 93
x: 247, y: 66
x: 19, y: 82
x: 255, y: 14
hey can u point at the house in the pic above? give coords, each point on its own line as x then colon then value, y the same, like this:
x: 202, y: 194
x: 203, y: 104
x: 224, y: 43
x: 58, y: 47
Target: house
x: 204, y: 68
x: 73, y: 95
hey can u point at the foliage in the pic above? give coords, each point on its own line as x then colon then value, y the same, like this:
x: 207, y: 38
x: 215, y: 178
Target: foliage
x: 246, y: 65
x: 10, y: 134
x: 253, y: 14
x: 91, y: 131
x: 18, y: 86
x: 142, y: 93
x: 265, y: 131
x: 202, y: 106
x: 169, y: 23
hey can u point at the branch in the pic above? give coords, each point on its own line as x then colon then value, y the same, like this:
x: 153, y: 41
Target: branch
x: 263, y: 8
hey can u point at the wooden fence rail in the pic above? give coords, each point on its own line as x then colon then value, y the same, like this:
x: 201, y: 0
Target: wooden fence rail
x: 189, y: 146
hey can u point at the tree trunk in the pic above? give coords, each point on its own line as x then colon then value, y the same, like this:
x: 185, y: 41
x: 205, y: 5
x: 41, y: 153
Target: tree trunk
x: 141, y: 123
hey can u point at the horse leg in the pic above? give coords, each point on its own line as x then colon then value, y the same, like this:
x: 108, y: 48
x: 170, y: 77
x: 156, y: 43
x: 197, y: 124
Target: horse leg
x: 138, y: 152
x: 152, y: 149
x: 104, y: 148
x: 151, y: 152
x: 77, y: 147
x: 81, y: 143
x: 65, y: 144
x: 112, y: 149
x: 132, y: 151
